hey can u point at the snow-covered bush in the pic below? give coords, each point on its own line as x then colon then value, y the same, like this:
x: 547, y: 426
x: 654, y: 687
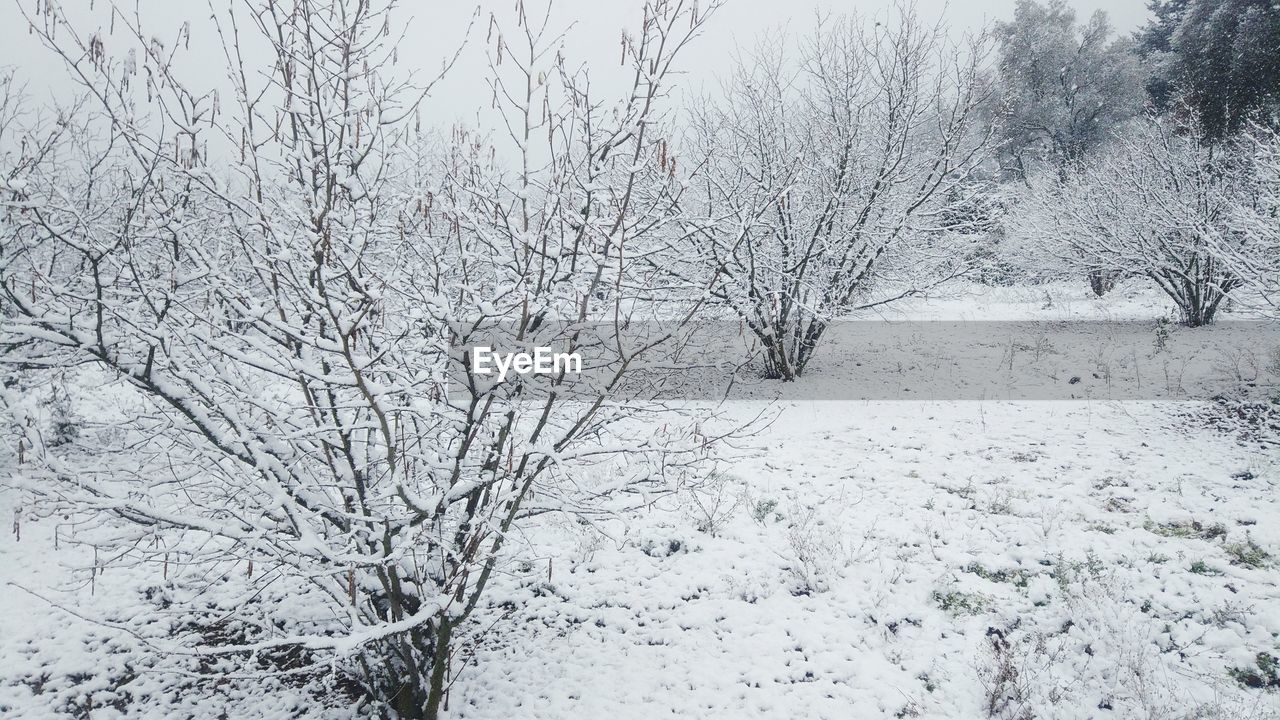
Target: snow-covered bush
x: 275, y: 281
x: 1252, y: 251
x: 712, y: 501
x: 1157, y: 202
x: 825, y: 172
x: 818, y: 552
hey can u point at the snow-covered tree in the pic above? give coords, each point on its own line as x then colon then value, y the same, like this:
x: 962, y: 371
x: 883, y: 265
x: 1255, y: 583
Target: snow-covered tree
x: 281, y: 277
x: 826, y: 176
x: 1252, y: 250
x: 1216, y: 59
x: 1155, y: 202
x: 1063, y: 86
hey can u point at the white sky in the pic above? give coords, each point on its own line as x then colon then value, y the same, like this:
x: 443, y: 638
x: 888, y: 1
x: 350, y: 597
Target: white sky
x: 435, y: 28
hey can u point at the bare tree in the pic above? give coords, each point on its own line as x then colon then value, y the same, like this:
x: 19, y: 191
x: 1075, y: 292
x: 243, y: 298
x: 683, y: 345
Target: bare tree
x: 1156, y: 203
x: 824, y: 180
x: 284, y: 283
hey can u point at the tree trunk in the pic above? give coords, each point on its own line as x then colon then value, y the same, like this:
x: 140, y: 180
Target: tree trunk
x: 1197, y: 295
x: 788, y: 350
x: 439, y: 671
x: 1101, y: 282
x: 407, y: 673
x: 778, y: 365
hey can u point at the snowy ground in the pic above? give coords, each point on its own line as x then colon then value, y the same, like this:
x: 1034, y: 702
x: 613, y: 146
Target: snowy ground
x: 875, y: 554
x: 1051, y: 559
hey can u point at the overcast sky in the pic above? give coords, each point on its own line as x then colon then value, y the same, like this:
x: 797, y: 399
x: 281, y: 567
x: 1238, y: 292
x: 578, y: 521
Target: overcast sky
x: 435, y: 28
